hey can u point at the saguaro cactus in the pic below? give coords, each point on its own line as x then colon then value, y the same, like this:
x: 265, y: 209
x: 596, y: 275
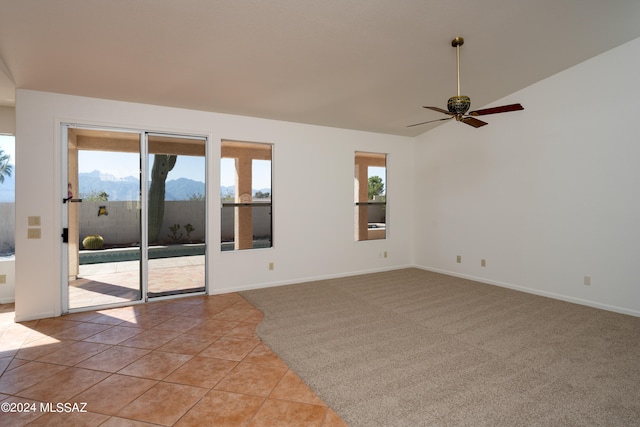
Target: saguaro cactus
x: 162, y: 165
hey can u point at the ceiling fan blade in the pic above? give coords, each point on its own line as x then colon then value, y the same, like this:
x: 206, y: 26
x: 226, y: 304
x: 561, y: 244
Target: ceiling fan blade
x: 439, y: 110
x: 495, y: 110
x: 431, y: 121
x: 473, y: 122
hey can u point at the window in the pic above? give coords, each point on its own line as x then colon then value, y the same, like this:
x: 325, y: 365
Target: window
x: 370, y: 196
x: 7, y: 195
x: 245, y: 190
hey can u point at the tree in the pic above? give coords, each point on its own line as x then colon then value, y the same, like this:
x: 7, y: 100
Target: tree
x: 262, y: 195
x: 162, y: 165
x: 5, y: 167
x: 95, y: 196
x: 375, y: 186
x: 228, y: 196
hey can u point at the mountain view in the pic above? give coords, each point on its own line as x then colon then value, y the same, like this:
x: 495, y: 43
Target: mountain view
x: 120, y: 189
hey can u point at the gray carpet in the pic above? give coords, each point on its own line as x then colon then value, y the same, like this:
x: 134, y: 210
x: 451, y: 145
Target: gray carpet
x: 414, y: 348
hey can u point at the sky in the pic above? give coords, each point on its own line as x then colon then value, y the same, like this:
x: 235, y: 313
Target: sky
x: 260, y: 174
x: 8, y: 146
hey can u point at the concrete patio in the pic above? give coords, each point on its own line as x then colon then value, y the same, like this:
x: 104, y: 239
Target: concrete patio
x: 119, y: 282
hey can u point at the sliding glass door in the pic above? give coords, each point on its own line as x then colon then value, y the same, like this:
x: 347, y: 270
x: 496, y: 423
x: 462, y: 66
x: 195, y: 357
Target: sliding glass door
x: 176, y: 215
x: 126, y: 240
x: 103, y: 208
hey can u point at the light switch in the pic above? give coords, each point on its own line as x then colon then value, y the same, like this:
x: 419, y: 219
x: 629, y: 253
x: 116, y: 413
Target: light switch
x: 34, y: 221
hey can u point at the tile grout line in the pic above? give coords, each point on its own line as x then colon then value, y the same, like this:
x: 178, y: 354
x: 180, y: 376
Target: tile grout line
x: 247, y: 321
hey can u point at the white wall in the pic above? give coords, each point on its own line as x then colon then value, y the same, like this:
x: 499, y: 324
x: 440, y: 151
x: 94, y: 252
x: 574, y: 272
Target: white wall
x: 310, y: 163
x: 547, y: 195
x: 7, y: 290
x: 7, y: 120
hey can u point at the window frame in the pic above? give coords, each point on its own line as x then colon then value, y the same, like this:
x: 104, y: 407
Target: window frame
x: 365, y: 232
x: 244, y: 153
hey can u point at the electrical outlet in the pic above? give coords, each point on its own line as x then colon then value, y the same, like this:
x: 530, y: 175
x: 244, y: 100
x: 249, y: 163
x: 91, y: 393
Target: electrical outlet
x: 3, y: 279
x: 483, y: 262
x: 458, y: 259
x: 271, y: 266
x: 385, y: 254
x: 587, y: 280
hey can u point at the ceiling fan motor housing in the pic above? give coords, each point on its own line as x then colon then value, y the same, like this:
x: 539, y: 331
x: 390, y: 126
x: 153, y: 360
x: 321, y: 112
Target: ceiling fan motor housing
x: 458, y: 104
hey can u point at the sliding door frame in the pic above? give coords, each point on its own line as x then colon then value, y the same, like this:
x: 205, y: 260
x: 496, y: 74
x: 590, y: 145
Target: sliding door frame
x: 144, y: 211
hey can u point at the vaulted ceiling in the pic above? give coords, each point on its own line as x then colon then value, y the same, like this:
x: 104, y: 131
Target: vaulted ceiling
x: 357, y: 64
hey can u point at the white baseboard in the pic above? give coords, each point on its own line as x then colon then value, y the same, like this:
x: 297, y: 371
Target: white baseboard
x: 251, y: 287
x: 588, y: 303
x: 36, y: 316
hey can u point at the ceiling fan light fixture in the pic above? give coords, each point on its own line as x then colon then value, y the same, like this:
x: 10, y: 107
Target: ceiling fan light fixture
x: 459, y: 104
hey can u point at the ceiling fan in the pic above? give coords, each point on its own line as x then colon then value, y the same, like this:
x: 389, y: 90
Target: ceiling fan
x: 458, y: 105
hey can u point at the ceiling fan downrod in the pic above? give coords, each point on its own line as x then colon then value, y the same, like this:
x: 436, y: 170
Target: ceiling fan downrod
x: 457, y: 42
x: 458, y: 105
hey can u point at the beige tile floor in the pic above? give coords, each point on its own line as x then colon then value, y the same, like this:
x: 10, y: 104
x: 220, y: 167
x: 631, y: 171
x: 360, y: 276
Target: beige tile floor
x: 193, y: 361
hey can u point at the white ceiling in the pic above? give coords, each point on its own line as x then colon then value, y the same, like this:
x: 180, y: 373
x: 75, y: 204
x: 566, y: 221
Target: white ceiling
x: 356, y: 64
